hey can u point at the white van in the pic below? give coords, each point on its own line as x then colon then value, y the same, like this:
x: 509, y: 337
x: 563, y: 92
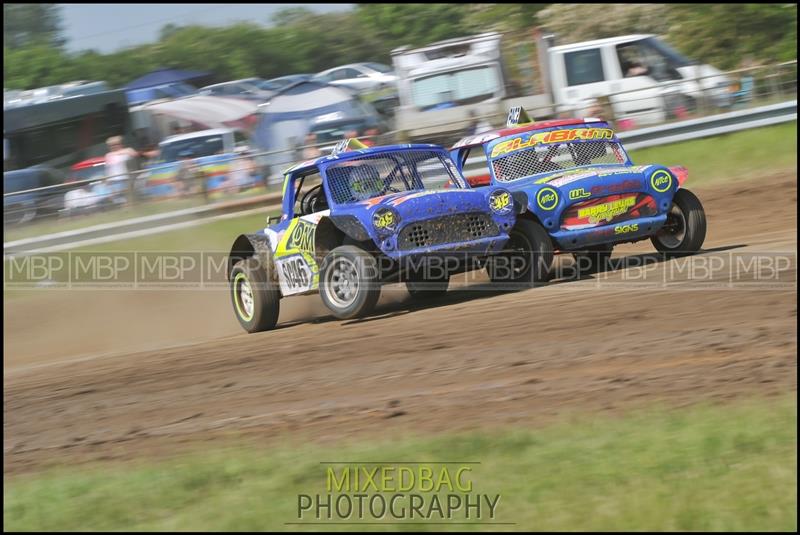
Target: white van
x: 653, y: 78
x: 442, y: 85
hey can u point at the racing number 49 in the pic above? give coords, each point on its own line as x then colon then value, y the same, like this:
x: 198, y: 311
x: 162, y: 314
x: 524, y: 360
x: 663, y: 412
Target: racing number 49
x: 295, y: 273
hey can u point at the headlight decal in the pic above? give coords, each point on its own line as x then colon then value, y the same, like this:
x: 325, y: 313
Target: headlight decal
x: 501, y: 201
x: 385, y: 220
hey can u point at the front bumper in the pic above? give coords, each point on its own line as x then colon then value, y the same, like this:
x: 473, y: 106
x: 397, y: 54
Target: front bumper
x: 473, y: 248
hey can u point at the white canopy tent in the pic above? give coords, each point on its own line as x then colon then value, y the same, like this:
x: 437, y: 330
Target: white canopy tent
x: 200, y: 112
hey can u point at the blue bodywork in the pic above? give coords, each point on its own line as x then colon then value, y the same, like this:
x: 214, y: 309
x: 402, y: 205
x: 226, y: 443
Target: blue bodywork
x: 436, y: 217
x: 410, y: 206
x: 554, y: 196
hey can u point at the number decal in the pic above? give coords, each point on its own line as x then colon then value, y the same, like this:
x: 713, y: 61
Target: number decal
x: 295, y: 275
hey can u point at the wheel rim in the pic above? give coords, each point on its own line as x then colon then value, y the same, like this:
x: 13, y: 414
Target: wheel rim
x: 341, y: 282
x: 672, y: 234
x: 243, y: 296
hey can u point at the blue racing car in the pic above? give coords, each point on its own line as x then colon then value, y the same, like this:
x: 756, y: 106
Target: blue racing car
x: 580, y: 191
x: 362, y: 217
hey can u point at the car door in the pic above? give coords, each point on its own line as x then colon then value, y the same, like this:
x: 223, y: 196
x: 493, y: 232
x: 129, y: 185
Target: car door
x: 580, y: 76
x: 642, y: 79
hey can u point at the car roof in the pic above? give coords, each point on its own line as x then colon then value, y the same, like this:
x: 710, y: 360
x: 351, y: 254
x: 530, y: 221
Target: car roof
x: 540, y: 125
x: 348, y: 66
x: 231, y: 82
x: 199, y: 133
x: 600, y: 42
x: 290, y: 77
x: 351, y: 154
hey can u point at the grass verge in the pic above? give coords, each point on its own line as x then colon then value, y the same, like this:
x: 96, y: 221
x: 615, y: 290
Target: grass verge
x: 706, y: 468
x: 739, y: 156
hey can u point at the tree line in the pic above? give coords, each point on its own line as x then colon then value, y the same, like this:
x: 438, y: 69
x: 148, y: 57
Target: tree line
x: 301, y: 41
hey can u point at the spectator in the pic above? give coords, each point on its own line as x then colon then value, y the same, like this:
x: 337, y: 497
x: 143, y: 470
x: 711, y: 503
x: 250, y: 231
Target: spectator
x: 370, y: 137
x: 120, y: 161
x: 241, y: 171
x: 636, y: 69
x: 311, y: 151
x: 477, y: 126
x: 188, y: 177
x: 118, y: 158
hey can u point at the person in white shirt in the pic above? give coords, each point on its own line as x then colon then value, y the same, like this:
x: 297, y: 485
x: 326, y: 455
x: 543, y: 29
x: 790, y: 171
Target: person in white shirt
x: 118, y: 166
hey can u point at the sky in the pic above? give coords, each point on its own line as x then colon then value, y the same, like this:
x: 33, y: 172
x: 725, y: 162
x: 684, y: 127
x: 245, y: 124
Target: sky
x: 110, y: 27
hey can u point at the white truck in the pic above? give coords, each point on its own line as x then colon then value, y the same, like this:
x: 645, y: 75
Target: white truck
x: 442, y: 86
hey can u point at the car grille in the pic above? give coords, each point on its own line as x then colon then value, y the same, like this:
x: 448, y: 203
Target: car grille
x: 447, y: 229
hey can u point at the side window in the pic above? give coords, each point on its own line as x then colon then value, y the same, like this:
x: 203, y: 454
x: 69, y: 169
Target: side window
x: 345, y: 74
x: 631, y: 60
x: 584, y: 67
x: 475, y: 167
x: 656, y: 63
x: 308, y: 195
x: 239, y: 139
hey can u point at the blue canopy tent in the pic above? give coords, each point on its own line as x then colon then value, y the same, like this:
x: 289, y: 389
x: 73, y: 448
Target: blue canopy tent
x: 163, y: 83
x: 296, y: 110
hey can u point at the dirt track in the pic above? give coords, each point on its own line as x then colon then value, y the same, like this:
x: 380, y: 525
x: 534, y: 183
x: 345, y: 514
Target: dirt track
x: 478, y: 358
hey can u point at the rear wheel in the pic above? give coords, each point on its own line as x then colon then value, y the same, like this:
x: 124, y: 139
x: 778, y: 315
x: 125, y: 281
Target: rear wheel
x: 593, y: 259
x: 527, y: 257
x: 685, y: 229
x: 348, y: 282
x: 256, y: 298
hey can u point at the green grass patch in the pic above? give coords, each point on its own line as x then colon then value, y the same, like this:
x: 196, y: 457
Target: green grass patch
x: 742, y: 155
x: 728, y: 467
x: 50, y: 225
x: 212, y: 236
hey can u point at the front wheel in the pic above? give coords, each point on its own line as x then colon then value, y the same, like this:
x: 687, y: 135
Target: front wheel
x: 348, y: 282
x: 256, y: 299
x: 527, y: 257
x: 685, y: 229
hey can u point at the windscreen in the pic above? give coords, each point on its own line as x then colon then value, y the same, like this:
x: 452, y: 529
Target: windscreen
x: 534, y: 153
x: 379, y: 67
x: 367, y: 177
x: 192, y: 148
x: 455, y: 88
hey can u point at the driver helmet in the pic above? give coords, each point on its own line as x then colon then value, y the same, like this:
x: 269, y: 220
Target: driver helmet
x: 365, y: 182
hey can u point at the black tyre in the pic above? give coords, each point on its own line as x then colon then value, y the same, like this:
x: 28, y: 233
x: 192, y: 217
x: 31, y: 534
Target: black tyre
x: 685, y: 229
x: 255, y: 296
x: 427, y: 289
x: 594, y: 259
x: 348, y: 282
x: 527, y: 257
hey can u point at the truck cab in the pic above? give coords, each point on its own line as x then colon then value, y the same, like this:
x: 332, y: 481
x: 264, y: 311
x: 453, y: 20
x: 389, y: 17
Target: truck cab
x: 442, y: 87
x: 656, y: 82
